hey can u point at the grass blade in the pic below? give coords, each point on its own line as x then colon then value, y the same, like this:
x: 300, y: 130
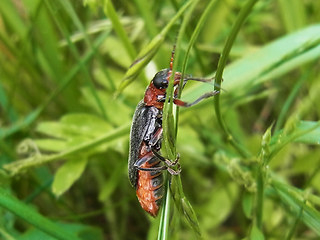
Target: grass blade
x: 28, y: 214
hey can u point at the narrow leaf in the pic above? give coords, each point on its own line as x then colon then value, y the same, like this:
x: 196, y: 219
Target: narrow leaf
x: 68, y: 174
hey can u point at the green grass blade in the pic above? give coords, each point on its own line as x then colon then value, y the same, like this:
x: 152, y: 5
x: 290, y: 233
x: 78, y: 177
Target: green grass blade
x: 245, y: 11
x: 294, y: 200
x: 165, y: 215
x: 146, y: 12
x: 30, y: 118
x: 147, y: 53
x: 193, y: 38
x: 293, y: 14
x: 288, y: 103
x: 110, y: 12
x: 28, y: 214
x: 169, y: 136
x: 267, y: 63
x: 77, y: 22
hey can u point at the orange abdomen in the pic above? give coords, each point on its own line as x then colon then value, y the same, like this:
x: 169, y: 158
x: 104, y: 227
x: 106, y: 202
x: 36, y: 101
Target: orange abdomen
x: 150, y: 188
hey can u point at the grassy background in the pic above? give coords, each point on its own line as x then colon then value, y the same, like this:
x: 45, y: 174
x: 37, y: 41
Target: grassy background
x: 64, y: 135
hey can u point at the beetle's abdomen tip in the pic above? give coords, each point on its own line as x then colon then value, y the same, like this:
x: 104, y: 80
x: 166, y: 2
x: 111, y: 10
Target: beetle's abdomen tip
x: 150, y: 191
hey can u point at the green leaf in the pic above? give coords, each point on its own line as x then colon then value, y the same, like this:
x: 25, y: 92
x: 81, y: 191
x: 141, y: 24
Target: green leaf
x: 117, y: 52
x: 247, y: 202
x: 311, y: 137
x: 256, y: 234
x: 74, y: 125
x: 68, y: 174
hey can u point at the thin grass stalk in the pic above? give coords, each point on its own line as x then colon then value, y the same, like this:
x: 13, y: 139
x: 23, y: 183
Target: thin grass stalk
x: 165, y: 216
x: 169, y: 141
x: 295, y: 224
x: 75, y: 53
x: 6, y: 235
x: 289, y: 139
x: 146, y: 54
x: 110, y: 12
x: 146, y: 12
x: 259, y: 197
x: 244, y: 13
x: 193, y: 38
x: 289, y: 101
x: 169, y: 146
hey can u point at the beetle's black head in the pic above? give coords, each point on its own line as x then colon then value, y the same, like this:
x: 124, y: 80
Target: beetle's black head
x: 160, y: 80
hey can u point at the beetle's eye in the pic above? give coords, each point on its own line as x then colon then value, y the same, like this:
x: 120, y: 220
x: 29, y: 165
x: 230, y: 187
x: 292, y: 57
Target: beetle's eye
x: 160, y: 79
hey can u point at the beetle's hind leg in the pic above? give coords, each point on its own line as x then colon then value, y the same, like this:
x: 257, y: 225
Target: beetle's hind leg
x: 168, y: 163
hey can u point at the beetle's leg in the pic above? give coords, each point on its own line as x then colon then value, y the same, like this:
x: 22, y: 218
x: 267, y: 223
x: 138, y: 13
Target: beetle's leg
x: 153, y: 169
x: 174, y: 172
x: 181, y: 103
x: 198, y: 79
x: 168, y: 163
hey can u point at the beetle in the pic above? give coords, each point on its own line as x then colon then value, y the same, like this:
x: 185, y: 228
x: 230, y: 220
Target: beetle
x: 145, y: 164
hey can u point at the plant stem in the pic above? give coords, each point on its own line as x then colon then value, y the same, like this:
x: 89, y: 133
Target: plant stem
x: 112, y: 14
x: 245, y: 11
x: 24, y: 164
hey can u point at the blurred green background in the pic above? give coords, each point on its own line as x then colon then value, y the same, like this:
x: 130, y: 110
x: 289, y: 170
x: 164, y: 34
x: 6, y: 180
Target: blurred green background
x: 64, y: 127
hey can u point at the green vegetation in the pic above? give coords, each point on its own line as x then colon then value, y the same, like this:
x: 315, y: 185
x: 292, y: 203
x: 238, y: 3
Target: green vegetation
x: 71, y: 74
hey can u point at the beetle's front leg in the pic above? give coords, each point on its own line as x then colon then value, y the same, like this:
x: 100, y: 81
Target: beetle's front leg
x: 181, y: 103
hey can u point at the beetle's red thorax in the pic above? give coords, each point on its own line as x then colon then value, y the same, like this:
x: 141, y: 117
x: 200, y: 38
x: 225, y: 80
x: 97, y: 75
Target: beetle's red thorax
x: 152, y: 96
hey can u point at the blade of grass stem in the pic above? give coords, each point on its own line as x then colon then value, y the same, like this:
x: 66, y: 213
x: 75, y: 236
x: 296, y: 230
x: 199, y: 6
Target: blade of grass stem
x: 147, y: 53
x: 169, y: 134
x: 168, y: 105
x: 111, y: 13
x: 294, y: 200
x: 193, y: 38
x: 245, y: 11
x: 38, y: 160
x: 30, y: 215
x: 146, y: 13
x: 289, y: 101
x: 295, y: 224
x: 165, y: 214
x: 88, y: 79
